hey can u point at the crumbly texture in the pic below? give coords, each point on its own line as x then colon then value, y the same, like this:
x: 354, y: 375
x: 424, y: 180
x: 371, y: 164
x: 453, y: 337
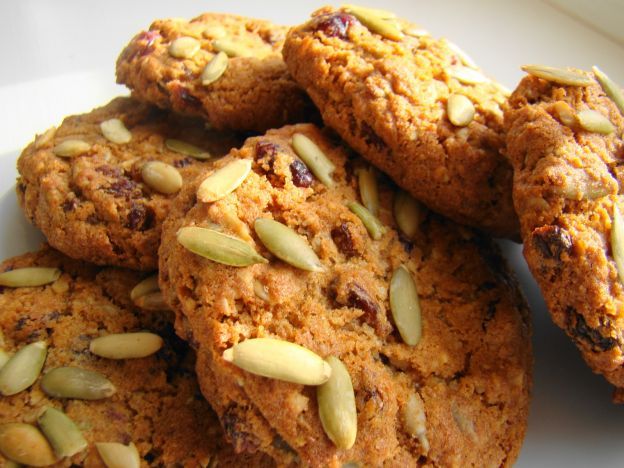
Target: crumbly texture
x: 388, y: 100
x: 255, y: 93
x: 471, y: 369
x: 96, y: 207
x: 157, y: 405
x: 566, y: 183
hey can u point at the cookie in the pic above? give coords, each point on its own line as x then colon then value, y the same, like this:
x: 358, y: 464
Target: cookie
x: 89, y: 193
x: 416, y: 107
x: 459, y: 396
x: 566, y: 146
x: 157, y: 404
x: 246, y: 88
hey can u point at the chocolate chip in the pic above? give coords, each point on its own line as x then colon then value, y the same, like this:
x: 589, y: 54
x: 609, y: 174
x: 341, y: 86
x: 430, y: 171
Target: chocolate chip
x: 552, y: 241
x: 334, y: 25
x: 301, y: 175
x: 344, y: 240
x: 70, y: 204
x: 233, y: 426
x: 577, y: 327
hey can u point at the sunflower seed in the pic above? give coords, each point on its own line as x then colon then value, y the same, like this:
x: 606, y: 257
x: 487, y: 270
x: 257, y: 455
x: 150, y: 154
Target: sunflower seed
x: 371, y: 223
x: 218, y: 247
x: 565, y: 114
x: 115, y: 455
x: 314, y: 158
x: 232, y: 48
x: 376, y: 22
x: 278, y: 359
x: 126, y: 345
x: 29, y: 277
x: 45, y: 138
x: 287, y: 245
x: 187, y: 149
x: 617, y: 242
x: 25, y: 444
x: 463, y: 56
x: 610, y: 88
x: 406, y: 213
x: 214, y: 31
x: 62, y: 433
x: 184, y: 47
x: 460, y: 110
x: 594, y: 121
x: 74, y: 382
x: 23, y: 368
x: 71, y: 148
x: 146, y: 286
x: 415, y: 419
x: 224, y: 180
x: 466, y: 75
x: 161, y: 177
x: 465, y: 424
x: 405, y: 306
x: 383, y: 14
x: 369, y: 192
x: 115, y: 131
x: 4, y: 357
x: 214, y: 69
x: 336, y: 402
x: 558, y: 75
x: 261, y: 290
x: 152, y: 301
x: 415, y: 31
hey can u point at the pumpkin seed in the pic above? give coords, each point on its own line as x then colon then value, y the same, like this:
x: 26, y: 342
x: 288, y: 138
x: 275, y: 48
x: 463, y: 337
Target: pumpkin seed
x: 466, y: 75
x: 406, y: 213
x: 617, y: 242
x: 218, y: 247
x: 336, y: 402
x: 115, y: 131
x: 214, y: 31
x: 161, y: 177
x: 214, y: 69
x: 405, y: 306
x: 232, y: 48
x: 415, y: 419
x: 184, y: 47
x: 146, y: 286
x: 4, y: 357
x: 25, y: 444
x: 371, y: 223
x: 278, y: 359
x: 224, y: 180
x: 463, y: 56
x: 610, y: 88
x: 314, y: 158
x: 71, y: 148
x: 62, y: 433
x: 187, y: 149
x: 23, y: 368
x: 460, y: 110
x: 287, y: 245
x: 29, y: 277
x: 558, y: 75
x: 376, y: 22
x: 74, y: 382
x: 369, y: 192
x: 115, y: 455
x: 126, y: 345
x: 594, y: 121
x: 383, y: 14
x: 153, y: 301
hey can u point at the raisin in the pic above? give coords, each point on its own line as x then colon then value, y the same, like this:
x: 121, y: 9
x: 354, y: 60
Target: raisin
x: 371, y: 138
x: 359, y: 298
x: 241, y: 440
x: 577, y: 327
x: 124, y: 187
x: 140, y: 217
x: 301, y: 175
x: 21, y: 323
x: 180, y: 163
x: 70, y: 205
x: 266, y: 149
x: 180, y: 93
x: 109, y: 171
x: 344, y: 240
x: 335, y: 25
x: 552, y: 241
x: 92, y: 219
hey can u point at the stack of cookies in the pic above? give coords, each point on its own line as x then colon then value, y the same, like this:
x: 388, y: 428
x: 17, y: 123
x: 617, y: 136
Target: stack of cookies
x: 277, y: 251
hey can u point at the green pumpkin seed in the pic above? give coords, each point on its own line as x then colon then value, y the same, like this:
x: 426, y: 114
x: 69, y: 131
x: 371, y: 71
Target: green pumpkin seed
x: 74, y: 382
x: 405, y: 306
x: 146, y: 286
x: 369, y: 192
x: 383, y: 14
x: 162, y: 177
x: 406, y: 213
x: 278, y: 359
x: 617, y: 242
x: 287, y: 245
x: 115, y: 455
x: 314, y: 158
x: 153, y: 301
x: 460, y: 110
x: 336, y: 402
x: 232, y: 48
x: 610, y: 88
x: 214, y: 69
x: 29, y: 277
x: 376, y: 22
x: 187, y: 149
x: 218, y: 247
x: 23, y: 368
x: 126, y: 345
x: 371, y: 223
x: 466, y: 75
x: 115, y: 131
x: 25, y: 444
x: 184, y: 47
x: 594, y: 121
x: 558, y: 75
x: 224, y: 180
x: 62, y: 433
x: 71, y: 148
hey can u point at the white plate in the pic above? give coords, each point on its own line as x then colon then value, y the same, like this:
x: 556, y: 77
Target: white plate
x: 58, y: 58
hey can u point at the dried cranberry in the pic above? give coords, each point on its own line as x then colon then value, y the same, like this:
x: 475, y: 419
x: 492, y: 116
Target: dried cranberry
x: 148, y: 38
x: 334, y: 25
x: 301, y: 175
x: 344, y: 240
x: 552, y: 241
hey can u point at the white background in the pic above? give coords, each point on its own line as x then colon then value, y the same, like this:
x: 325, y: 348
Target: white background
x: 58, y: 57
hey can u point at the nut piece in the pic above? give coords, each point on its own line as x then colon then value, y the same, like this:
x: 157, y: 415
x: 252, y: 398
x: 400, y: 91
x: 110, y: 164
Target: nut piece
x: 218, y: 247
x: 369, y: 192
x: 187, y: 149
x: 184, y: 47
x: 146, y: 286
x: 25, y: 444
x: 214, y: 69
x: 406, y: 213
x: 460, y: 110
x: 287, y: 245
x: 594, y: 121
x: 74, y: 382
x: 23, y: 368
x: 377, y: 21
x: 617, y: 242
x: 126, y: 345
x: 314, y: 158
x: 336, y: 402
x: 558, y: 75
x: 405, y: 306
x: 415, y: 419
x: 278, y: 359
x: 29, y: 277
x: 115, y: 455
x: 161, y: 177
x: 224, y: 180
x: 610, y: 88
x: 231, y: 48
x: 371, y: 223
x: 71, y: 148
x: 62, y: 433
x: 115, y: 131
x: 466, y: 75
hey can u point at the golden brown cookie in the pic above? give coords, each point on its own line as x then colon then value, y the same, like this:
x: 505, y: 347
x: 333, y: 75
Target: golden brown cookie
x: 416, y: 107
x: 93, y: 196
x: 247, y: 87
x: 565, y: 142
x: 459, y: 396
x: 157, y: 404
